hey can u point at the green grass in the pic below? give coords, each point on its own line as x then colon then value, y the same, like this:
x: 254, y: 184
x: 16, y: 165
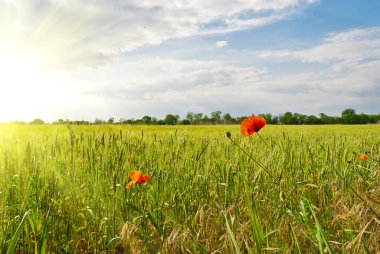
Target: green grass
x: 62, y: 189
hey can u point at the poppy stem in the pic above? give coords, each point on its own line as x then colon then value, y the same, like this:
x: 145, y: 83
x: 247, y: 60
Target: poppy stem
x: 253, y: 159
x: 263, y: 140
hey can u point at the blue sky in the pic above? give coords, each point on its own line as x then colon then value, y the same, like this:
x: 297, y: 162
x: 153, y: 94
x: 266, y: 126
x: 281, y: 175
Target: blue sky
x: 126, y: 59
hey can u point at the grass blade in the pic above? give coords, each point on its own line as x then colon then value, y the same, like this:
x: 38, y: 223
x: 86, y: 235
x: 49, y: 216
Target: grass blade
x: 17, y: 234
x: 320, y: 232
x: 231, y: 235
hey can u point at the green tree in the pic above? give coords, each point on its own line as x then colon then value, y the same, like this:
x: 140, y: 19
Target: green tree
x: 198, y: 117
x: 348, y: 111
x: 268, y: 117
x: 206, y: 120
x: 37, y: 121
x: 299, y: 118
x: 190, y: 117
x: 325, y: 119
x: 99, y: 121
x: 171, y: 119
x: 349, y: 116
x: 275, y: 120
x: 227, y: 119
x: 147, y: 119
x: 288, y: 118
x: 374, y: 118
x: 362, y: 119
x: 185, y: 122
x: 240, y: 119
x: 312, y: 120
x: 216, y: 116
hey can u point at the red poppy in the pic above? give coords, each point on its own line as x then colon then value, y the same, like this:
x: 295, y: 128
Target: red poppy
x: 137, y: 178
x: 362, y: 157
x: 251, y: 125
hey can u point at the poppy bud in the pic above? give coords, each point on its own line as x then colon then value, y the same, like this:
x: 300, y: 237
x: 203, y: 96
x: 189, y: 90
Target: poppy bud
x: 362, y: 157
x: 228, y: 134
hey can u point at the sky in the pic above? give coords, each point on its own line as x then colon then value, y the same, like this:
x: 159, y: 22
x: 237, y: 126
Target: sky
x: 81, y: 60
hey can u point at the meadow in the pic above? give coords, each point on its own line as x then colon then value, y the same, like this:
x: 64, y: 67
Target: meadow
x: 293, y: 189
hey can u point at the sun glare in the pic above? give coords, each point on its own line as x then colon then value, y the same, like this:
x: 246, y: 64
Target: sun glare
x: 22, y: 84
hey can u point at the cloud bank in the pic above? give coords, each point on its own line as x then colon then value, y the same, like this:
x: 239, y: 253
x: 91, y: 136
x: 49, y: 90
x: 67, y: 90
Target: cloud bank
x: 178, y: 86
x: 68, y: 33
x: 99, y: 50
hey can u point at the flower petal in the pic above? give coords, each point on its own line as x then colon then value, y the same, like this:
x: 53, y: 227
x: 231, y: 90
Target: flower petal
x: 143, y: 179
x: 246, y: 127
x: 130, y: 184
x: 258, y: 123
x: 135, y: 175
x: 362, y: 157
x: 251, y: 125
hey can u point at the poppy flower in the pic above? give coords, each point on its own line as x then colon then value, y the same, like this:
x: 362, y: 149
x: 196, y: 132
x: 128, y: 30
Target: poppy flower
x: 137, y: 178
x: 362, y: 157
x: 251, y: 125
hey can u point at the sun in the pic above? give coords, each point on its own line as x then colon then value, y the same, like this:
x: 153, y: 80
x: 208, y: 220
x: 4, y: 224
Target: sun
x: 22, y: 84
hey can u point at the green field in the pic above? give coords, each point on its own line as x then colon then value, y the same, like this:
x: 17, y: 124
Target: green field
x: 297, y: 189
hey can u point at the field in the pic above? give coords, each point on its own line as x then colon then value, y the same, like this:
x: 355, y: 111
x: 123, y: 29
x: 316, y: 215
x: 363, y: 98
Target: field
x: 293, y: 189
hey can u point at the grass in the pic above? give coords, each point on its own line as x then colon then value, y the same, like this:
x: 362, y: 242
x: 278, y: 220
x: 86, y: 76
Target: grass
x: 62, y: 189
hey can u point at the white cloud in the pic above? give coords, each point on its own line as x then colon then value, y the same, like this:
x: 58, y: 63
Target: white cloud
x: 174, y: 75
x: 178, y: 86
x: 172, y: 86
x: 71, y: 34
x: 346, y: 76
x: 349, y: 61
x: 342, y: 50
x: 76, y: 33
x: 221, y: 44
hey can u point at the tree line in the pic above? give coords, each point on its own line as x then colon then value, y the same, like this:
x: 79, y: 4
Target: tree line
x: 348, y: 116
